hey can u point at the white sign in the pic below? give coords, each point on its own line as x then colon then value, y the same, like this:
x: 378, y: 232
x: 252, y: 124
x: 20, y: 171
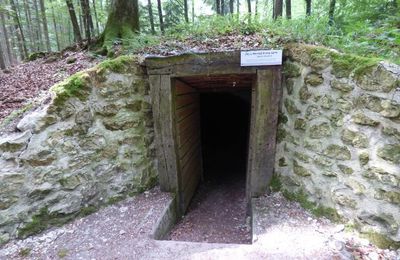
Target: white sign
x: 261, y: 58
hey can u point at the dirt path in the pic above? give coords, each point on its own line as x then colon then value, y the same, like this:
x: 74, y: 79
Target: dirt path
x: 217, y: 214
x: 123, y: 231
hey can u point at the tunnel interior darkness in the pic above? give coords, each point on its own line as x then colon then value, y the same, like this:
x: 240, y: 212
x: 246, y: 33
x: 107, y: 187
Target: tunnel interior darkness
x: 225, y: 120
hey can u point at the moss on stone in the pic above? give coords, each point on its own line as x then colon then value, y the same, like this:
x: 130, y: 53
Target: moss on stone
x: 15, y: 114
x: 380, y: 240
x: 344, y: 64
x: 74, y: 86
x: 318, y: 210
x: 275, y: 183
x: 122, y: 64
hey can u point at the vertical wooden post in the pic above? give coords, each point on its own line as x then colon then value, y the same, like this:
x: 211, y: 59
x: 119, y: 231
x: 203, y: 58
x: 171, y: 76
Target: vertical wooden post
x: 162, y: 103
x: 264, y: 119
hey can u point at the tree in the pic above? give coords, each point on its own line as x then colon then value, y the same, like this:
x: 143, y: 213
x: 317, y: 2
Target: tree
x: 288, y: 7
x: 122, y: 22
x: 332, y: 4
x: 308, y: 7
x: 278, y: 9
x: 2, y: 59
x: 6, y: 37
x: 151, y: 17
x: 23, y: 52
x: 185, y: 4
x: 160, y: 16
x: 44, y: 22
x: 74, y: 21
x: 231, y: 6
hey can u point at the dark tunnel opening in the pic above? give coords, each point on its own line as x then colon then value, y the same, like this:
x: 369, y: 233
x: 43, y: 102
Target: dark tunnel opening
x: 225, y: 120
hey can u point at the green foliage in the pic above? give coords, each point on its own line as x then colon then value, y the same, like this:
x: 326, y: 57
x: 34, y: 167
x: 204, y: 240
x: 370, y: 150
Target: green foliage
x: 62, y: 253
x: 275, y: 184
x: 74, y: 86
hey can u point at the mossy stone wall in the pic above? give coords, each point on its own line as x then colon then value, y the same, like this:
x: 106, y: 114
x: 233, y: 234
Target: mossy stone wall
x: 92, y: 144
x: 339, y: 142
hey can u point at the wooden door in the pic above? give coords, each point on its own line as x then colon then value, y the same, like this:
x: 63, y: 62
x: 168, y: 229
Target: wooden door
x: 188, y: 138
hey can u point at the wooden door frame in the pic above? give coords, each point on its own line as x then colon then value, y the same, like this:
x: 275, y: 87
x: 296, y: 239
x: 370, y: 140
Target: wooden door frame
x: 266, y: 95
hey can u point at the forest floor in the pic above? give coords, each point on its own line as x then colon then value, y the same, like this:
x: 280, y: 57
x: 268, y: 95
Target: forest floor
x: 20, y: 84
x: 283, y: 230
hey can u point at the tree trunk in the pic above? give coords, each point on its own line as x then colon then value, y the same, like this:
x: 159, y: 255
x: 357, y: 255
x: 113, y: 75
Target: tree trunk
x: 308, y: 7
x: 332, y: 4
x: 55, y: 29
x: 2, y: 60
x: 238, y: 7
x: 151, y: 17
x: 231, y: 6
x: 20, y: 34
x: 38, y: 24
x: 185, y: 4
x: 122, y: 22
x: 86, y: 19
x: 249, y: 7
x: 44, y: 22
x: 218, y: 6
x: 192, y: 11
x: 222, y: 7
x: 160, y: 16
x: 278, y: 9
x: 288, y: 9
x: 95, y: 17
x: 28, y: 19
x: 6, y: 39
x: 74, y: 21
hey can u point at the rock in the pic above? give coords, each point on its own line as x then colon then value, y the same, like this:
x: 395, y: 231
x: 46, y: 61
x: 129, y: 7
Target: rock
x: 390, y: 109
x: 336, y: 118
x: 40, y: 192
x: 70, y: 182
x: 36, y: 121
x: 370, y: 102
x: 323, y: 161
x: 304, y: 94
x: 291, y: 69
x: 302, y: 157
x: 354, y: 138
x: 326, y: 102
x: 320, y: 130
x: 314, y: 79
x: 382, y: 176
x: 329, y: 173
x: 378, y: 78
x: 344, y: 105
x: 282, y: 162
x: 341, y: 86
x: 312, y: 112
x: 300, y: 170
x: 357, y: 187
x: 363, y: 158
x: 123, y: 120
x: 338, y: 152
x: 70, y: 60
x: 389, y: 196
x: 15, y: 142
x: 345, y: 169
x: 391, y: 131
x: 343, y: 198
x: 300, y: 124
x: 291, y: 107
x: 362, y: 119
x: 4, y: 238
x: 390, y: 152
x: 289, y: 86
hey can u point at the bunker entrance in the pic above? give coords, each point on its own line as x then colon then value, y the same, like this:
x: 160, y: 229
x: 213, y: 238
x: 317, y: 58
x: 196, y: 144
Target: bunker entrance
x: 194, y: 154
x: 217, y: 212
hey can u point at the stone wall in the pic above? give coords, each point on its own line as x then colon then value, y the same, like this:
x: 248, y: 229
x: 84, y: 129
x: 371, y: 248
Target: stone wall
x: 90, y: 145
x: 339, y: 137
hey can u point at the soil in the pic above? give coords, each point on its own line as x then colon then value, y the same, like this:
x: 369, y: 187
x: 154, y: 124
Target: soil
x: 283, y: 230
x: 28, y: 80
x: 217, y: 214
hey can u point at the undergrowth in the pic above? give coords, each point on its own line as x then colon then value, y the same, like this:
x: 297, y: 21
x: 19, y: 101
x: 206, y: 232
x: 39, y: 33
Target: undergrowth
x: 380, y: 38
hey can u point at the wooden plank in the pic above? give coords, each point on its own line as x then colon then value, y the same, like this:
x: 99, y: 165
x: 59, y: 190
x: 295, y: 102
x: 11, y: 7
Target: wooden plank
x: 191, y: 165
x: 185, y: 100
x: 182, y: 88
x: 183, y: 112
x: 186, y: 134
x: 188, y: 121
x: 196, y: 147
x: 185, y: 147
